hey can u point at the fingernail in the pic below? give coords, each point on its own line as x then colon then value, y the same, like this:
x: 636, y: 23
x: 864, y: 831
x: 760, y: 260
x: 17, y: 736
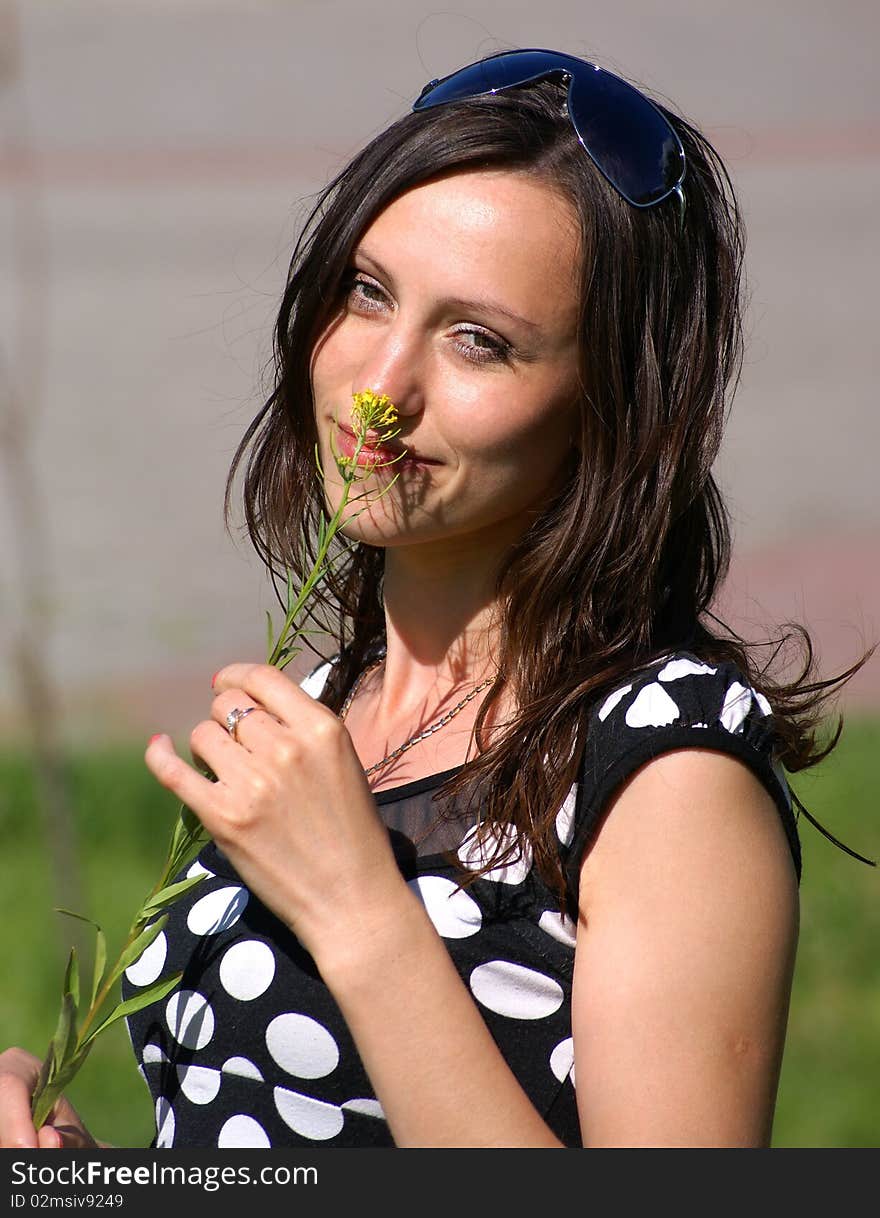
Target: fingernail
x: 156, y: 737
x: 214, y: 678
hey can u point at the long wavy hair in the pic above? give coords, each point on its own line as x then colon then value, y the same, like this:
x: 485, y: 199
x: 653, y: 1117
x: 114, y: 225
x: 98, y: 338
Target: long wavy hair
x: 624, y: 562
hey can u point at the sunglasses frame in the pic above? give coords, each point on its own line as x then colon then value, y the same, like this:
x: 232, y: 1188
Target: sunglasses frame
x: 571, y: 69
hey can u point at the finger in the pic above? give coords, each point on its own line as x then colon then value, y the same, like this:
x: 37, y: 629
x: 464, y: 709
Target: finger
x: 18, y: 1135
x: 274, y: 691
x: 48, y: 1138
x: 16, y: 1127
x: 257, y: 716
x: 172, y: 772
x: 213, y: 745
x: 71, y: 1136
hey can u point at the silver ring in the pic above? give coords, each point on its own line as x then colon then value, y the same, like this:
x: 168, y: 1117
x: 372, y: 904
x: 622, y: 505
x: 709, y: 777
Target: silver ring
x: 235, y: 717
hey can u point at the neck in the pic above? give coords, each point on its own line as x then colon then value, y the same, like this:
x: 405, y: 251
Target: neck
x: 441, y: 623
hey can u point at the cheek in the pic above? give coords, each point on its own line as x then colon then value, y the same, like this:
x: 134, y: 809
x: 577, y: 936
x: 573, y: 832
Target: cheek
x: 332, y: 359
x: 531, y: 428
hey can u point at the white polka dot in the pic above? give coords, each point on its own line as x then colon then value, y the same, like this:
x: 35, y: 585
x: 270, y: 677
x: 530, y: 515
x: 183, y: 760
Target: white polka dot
x: 612, y: 700
x: 190, y: 1019
x: 199, y: 1084
x: 149, y: 964
x: 737, y: 703
x: 217, y: 911
x: 565, y: 816
x: 652, y: 707
x: 558, y: 926
x: 478, y: 848
x: 242, y: 1132
x: 198, y: 869
x: 562, y: 1060
x: 455, y: 914
x: 314, y: 682
x: 766, y: 708
x: 302, y: 1046
x: 247, y: 969
x: 676, y: 669
x: 153, y: 1053
x: 513, y: 990
x: 307, y: 1117
x: 164, y: 1122
x: 243, y: 1067
x: 368, y: 1107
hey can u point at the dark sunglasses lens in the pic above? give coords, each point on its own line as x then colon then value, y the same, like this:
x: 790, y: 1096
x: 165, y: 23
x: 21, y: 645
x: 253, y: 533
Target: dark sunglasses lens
x: 630, y: 141
x: 627, y: 137
x: 499, y: 72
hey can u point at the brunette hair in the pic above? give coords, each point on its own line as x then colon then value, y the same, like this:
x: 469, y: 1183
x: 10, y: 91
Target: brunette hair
x: 624, y: 562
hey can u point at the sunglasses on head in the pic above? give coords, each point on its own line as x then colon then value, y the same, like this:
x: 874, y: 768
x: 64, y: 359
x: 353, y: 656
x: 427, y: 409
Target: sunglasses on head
x: 624, y: 134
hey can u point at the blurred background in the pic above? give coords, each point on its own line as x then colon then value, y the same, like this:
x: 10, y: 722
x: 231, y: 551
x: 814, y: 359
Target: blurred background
x: 156, y: 160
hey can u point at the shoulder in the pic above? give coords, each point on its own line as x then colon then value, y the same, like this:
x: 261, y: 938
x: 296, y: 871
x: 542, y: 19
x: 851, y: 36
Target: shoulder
x: 679, y: 703
x: 684, y: 957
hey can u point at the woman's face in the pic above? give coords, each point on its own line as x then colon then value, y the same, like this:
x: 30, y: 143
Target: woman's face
x: 461, y: 305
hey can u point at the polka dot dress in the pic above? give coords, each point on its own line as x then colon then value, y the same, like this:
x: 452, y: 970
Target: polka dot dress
x: 251, y: 1050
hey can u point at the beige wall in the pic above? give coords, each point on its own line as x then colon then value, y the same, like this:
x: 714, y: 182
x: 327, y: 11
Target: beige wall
x: 153, y: 159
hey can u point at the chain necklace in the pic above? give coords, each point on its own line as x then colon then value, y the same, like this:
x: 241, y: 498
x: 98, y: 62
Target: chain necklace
x: 421, y: 736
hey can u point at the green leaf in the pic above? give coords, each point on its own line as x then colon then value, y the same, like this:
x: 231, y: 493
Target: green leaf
x: 270, y: 634
x: 68, y: 913
x: 167, y: 896
x: 45, y: 1102
x: 46, y: 1072
x: 100, y: 964
x: 152, y: 994
x: 71, y: 978
x: 138, y: 946
x: 64, y: 1040
x: 190, y: 848
x: 187, y: 829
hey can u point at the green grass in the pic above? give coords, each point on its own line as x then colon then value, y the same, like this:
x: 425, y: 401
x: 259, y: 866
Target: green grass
x: 124, y: 820
x: 828, y: 1095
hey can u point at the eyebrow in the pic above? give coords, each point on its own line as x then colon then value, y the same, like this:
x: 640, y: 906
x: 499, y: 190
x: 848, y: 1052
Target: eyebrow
x: 459, y: 302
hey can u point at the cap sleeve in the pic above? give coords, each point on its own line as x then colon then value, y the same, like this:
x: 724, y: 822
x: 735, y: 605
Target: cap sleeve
x: 677, y: 702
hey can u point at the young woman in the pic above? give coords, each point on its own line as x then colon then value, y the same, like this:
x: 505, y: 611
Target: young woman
x: 517, y: 865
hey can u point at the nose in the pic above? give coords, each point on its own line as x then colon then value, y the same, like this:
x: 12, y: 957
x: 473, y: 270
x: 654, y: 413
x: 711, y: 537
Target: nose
x: 393, y: 365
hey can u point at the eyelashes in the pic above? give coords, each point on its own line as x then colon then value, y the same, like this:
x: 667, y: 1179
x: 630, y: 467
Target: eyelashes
x: 367, y: 296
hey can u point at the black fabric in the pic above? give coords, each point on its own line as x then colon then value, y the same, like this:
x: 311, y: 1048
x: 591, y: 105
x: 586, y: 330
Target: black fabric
x: 251, y: 1050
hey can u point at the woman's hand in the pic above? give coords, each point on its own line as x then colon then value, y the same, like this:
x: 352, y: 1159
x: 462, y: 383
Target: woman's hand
x: 291, y: 808
x: 62, y: 1131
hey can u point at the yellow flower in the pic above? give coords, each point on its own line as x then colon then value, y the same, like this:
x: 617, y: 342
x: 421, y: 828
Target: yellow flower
x: 372, y: 410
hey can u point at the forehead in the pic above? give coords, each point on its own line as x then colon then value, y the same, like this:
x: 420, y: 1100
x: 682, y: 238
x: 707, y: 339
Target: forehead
x: 504, y: 234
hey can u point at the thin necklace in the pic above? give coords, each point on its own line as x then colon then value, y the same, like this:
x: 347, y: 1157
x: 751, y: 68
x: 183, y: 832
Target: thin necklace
x: 421, y: 736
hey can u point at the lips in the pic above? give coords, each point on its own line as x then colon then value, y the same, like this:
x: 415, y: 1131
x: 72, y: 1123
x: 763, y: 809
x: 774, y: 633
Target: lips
x: 381, y: 452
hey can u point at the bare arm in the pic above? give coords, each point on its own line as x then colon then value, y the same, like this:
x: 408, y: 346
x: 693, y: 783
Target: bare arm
x: 435, y: 1068
x: 683, y: 970
x: 685, y: 956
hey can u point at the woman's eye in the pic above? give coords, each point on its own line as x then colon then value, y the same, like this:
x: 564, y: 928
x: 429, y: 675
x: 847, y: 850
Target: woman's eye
x: 485, y: 350
x: 481, y: 347
x: 368, y: 295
